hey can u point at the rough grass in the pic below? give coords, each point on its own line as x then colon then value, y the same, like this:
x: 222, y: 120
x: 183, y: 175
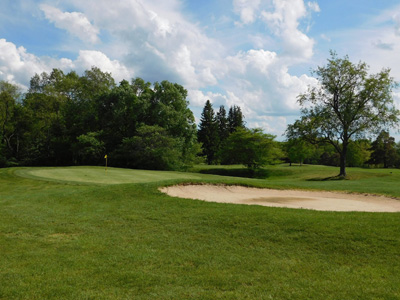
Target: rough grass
x: 129, y: 241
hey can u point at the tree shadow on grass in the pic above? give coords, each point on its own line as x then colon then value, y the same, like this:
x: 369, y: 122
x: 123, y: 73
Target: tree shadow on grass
x: 247, y: 173
x: 331, y: 178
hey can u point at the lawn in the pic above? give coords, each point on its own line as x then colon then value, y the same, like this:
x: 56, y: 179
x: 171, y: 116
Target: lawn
x: 79, y: 233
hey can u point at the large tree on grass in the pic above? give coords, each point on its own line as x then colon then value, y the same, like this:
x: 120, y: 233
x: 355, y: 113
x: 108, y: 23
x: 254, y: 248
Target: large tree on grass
x: 348, y: 103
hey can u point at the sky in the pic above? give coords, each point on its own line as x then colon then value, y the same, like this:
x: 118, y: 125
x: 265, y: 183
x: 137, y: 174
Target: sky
x: 257, y: 54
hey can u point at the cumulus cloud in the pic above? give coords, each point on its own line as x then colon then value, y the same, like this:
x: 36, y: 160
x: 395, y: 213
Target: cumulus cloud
x: 88, y: 59
x: 18, y: 66
x: 155, y: 40
x: 75, y: 23
x: 159, y: 42
x: 284, y: 23
x: 259, y: 60
x: 246, y: 9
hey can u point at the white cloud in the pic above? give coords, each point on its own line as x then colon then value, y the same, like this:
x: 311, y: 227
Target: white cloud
x: 259, y: 60
x: 75, y: 23
x: 284, y: 23
x: 155, y: 40
x: 247, y: 10
x: 396, y: 19
x: 18, y: 66
x: 270, y: 124
x: 313, y: 6
x: 87, y: 59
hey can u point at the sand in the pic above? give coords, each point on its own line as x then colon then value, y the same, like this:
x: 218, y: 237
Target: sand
x: 324, y: 201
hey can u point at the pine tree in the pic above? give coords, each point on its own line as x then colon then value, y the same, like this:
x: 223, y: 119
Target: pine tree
x: 235, y: 119
x: 222, y: 121
x: 208, y: 133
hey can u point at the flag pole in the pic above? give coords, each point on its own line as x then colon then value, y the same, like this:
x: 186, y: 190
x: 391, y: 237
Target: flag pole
x: 106, y: 162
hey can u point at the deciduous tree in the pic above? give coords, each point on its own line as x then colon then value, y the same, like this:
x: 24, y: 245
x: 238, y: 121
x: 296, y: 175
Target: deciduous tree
x: 346, y: 104
x: 251, y: 147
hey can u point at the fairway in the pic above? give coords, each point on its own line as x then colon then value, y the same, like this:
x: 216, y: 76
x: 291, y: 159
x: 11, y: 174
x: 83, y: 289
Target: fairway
x: 98, y: 175
x: 79, y: 233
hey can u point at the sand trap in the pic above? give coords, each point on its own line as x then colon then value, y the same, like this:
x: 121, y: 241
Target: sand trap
x: 326, y: 201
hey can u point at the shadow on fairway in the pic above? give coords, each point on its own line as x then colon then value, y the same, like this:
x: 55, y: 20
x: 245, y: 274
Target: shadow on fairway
x: 331, y: 178
x: 242, y: 172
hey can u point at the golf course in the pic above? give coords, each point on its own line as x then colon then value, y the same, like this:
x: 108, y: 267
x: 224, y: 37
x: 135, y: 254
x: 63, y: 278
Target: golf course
x: 91, y: 233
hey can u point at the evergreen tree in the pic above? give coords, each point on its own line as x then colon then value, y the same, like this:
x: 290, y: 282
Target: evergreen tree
x: 222, y: 121
x: 208, y: 133
x: 235, y: 119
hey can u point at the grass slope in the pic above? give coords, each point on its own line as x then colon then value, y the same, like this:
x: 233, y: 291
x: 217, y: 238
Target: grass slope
x: 129, y: 241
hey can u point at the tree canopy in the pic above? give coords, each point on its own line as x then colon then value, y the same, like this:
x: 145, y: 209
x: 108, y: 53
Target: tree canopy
x: 251, y: 147
x: 346, y: 104
x: 67, y: 119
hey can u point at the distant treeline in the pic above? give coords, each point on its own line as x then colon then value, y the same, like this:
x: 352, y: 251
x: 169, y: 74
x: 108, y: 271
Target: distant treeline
x: 67, y: 119
x: 382, y: 152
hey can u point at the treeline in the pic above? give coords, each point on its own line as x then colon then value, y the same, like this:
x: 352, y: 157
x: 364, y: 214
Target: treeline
x: 67, y: 119
x: 226, y: 140
x: 383, y: 152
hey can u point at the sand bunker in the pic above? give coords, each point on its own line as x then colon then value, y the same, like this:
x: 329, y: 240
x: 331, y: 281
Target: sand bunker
x: 327, y: 201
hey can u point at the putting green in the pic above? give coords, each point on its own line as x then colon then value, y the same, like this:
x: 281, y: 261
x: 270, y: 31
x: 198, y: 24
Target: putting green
x: 98, y: 175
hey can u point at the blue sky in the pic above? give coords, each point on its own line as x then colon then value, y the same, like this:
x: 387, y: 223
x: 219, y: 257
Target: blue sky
x: 253, y: 53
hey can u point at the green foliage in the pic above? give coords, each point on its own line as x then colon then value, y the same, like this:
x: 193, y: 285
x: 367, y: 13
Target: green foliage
x: 235, y: 118
x: 359, y: 153
x: 346, y: 105
x: 383, y: 150
x: 10, y: 116
x: 223, y: 124
x: 90, y: 149
x: 251, y: 147
x: 67, y: 119
x: 208, y: 133
x: 151, y: 148
x: 298, y: 150
x: 215, y: 128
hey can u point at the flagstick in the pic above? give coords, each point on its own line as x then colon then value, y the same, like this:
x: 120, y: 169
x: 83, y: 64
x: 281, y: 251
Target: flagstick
x: 106, y: 163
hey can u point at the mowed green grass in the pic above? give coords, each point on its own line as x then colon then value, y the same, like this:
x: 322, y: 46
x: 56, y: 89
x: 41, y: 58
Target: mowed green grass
x: 61, y: 240
x: 101, y: 175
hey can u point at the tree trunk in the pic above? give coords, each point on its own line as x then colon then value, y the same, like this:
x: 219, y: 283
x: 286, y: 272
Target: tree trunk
x: 343, y: 155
